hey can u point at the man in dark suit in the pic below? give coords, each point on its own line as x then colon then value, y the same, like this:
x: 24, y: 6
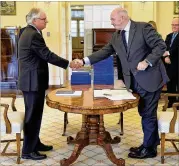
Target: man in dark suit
x: 34, y: 56
x: 171, y: 59
x: 140, y: 50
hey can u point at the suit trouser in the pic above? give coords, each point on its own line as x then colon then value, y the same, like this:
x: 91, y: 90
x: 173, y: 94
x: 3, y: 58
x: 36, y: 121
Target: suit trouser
x: 34, y: 104
x: 147, y: 109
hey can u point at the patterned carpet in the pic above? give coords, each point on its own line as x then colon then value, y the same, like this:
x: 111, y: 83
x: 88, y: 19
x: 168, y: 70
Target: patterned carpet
x: 51, y: 133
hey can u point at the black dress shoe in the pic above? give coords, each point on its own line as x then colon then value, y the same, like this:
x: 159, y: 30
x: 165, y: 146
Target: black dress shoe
x: 42, y: 147
x: 144, y: 153
x: 34, y: 156
x: 136, y: 149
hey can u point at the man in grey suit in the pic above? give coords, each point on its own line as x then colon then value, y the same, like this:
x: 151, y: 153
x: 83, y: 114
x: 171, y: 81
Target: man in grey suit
x: 33, y: 57
x: 140, y: 50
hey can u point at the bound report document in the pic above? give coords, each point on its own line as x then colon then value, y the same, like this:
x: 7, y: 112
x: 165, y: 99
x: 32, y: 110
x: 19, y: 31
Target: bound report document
x: 68, y: 93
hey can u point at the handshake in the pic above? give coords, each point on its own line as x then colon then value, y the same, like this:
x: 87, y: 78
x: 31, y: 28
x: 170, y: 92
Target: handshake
x: 76, y: 64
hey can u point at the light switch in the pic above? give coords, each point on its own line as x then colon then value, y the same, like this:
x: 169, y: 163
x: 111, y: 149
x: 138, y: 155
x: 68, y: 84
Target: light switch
x: 48, y: 34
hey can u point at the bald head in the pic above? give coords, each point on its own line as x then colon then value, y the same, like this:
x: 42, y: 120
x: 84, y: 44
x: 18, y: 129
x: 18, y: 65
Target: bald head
x: 119, y: 18
x: 176, y: 19
x: 120, y: 11
x: 175, y: 24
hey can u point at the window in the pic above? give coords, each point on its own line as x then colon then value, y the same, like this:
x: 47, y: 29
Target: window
x: 77, y: 23
x: 74, y: 28
x: 77, y: 13
x: 81, y: 28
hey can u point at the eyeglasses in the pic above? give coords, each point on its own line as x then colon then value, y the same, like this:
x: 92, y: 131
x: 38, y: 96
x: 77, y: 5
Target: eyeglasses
x: 174, y: 24
x: 44, y: 19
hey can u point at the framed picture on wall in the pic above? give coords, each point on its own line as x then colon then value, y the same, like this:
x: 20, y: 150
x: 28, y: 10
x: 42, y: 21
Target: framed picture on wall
x: 176, y: 7
x: 8, y: 8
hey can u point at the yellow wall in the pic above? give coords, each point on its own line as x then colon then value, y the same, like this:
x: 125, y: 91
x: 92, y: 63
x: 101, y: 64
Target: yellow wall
x: 142, y: 11
x: 22, y: 9
x: 96, y: 2
x: 138, y: 11
x: 161, y: 12
x: 164, y: 17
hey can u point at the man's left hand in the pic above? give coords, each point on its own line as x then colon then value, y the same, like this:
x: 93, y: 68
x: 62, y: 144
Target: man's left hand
x: 142, y: 65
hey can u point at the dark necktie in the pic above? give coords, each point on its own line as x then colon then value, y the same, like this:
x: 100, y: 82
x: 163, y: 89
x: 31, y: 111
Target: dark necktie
x: 124, y: 39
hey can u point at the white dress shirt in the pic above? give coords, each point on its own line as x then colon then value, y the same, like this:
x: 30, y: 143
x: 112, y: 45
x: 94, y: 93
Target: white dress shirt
x: 127, y: 28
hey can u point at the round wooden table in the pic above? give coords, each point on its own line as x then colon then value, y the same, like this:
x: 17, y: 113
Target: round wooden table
x: 92, y: 109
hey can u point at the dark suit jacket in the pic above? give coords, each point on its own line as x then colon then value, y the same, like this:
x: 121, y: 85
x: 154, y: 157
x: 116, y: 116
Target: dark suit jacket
x: 143, y: 43
x: 119, y: 68
x: 21, y: 30
x: 172, y: 69
x: 33, y: 57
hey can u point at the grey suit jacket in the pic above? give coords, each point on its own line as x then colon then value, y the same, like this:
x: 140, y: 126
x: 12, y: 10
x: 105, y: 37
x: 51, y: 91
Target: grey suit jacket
x: 33, y: 57
x: 143, y: 43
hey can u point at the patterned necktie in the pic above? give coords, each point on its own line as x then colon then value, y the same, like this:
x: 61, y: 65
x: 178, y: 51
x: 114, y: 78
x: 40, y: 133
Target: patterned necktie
x: 173, y: 37
x: 124, y: 39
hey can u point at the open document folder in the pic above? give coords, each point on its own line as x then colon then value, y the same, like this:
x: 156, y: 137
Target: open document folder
x: 119, y: 94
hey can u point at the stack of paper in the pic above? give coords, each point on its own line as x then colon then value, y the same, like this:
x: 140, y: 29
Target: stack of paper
x: 120, y: 94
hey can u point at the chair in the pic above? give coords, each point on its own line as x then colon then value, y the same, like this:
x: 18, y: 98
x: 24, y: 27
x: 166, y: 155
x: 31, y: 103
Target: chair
x: 65, y: 123
x: 168, y: 122
x: 11, y: 123
x: 121, y: 122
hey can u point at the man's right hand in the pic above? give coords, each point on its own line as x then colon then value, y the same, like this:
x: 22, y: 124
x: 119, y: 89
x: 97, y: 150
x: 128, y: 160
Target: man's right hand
x: 76, y: 64
x: 167, y: 60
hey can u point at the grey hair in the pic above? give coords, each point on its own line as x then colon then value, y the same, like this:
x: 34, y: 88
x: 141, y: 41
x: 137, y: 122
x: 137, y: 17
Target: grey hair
x: 33, y: 14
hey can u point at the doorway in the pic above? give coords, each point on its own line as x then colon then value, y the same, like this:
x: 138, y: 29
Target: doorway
x: 77, y: 31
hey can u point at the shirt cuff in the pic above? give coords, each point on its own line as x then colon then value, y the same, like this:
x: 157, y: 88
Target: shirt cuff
x: 168, y: 53
x: 150, y: 64
x: 87, y: 61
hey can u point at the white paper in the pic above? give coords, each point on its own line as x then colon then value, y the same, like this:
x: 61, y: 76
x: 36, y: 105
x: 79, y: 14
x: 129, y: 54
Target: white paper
x: 114, y: 94
x: 68, y: 93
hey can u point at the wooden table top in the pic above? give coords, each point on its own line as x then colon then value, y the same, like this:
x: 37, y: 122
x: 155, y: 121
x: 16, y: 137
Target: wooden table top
x: 86, y: 103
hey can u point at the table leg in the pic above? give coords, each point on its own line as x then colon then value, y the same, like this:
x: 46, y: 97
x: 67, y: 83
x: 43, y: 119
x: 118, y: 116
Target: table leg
x: 93, y: 133
x: 109, y: 152
x: 105, y: 141
x: 76, y: 152
x: 105, y: 135
x: 81, y: 140
x: 82, y: 135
